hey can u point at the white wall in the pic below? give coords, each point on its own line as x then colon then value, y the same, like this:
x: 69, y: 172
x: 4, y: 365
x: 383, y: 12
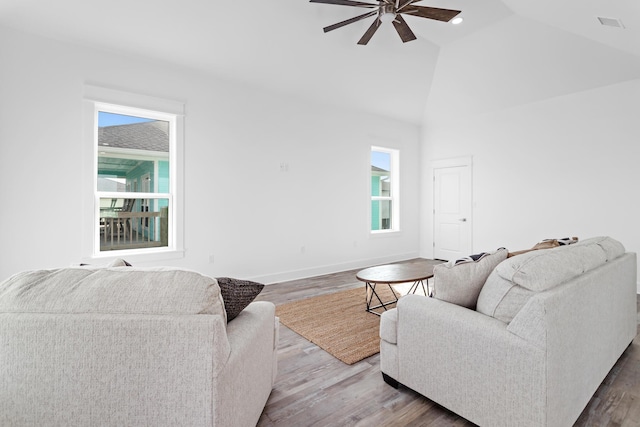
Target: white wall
x: 552, y: 130
x: 563, y: 167
x: 239, y: 207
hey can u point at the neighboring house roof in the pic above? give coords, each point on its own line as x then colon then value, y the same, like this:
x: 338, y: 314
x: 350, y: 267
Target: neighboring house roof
x: 108, y: 184
x: 377, y: 169
x: 149, y: 136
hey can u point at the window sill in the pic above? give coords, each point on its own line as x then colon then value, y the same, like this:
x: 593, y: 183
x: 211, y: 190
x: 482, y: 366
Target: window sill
x: 133, y: 256
x: 384, y: 233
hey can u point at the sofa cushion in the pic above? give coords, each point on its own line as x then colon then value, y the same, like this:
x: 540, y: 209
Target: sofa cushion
x: 541, y: 270
x: 389, y: 326
x: 237, y: 294
x: 611, y: 247
x: 111, y: 290
x: 460, y: 281
x: 501, y: 299
x: 515, y: 280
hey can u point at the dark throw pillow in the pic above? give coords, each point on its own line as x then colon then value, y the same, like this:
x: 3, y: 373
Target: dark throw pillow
x: 237, y: 294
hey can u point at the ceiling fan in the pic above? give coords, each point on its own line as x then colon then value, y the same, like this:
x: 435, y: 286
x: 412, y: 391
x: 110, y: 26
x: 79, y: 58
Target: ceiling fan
x: 390, y: 11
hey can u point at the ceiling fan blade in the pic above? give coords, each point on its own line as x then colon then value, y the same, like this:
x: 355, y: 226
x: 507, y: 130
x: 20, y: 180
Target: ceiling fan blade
x: 403, y: 29
x: 349, y: 21
x: 444, y: 15
x: 370, y: 32
x: 400, y: 4
x: 346, y: 3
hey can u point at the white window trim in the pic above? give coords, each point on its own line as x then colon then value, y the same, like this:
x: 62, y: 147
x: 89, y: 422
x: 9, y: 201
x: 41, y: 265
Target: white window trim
x: 395, y: 191
x: 100, y: 98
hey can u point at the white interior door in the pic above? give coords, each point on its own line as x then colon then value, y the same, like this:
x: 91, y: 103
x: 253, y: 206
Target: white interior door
x: 452, y: 212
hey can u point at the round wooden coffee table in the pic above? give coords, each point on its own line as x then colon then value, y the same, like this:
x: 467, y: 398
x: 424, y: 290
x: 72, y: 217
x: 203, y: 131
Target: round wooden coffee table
x: 392, y: 274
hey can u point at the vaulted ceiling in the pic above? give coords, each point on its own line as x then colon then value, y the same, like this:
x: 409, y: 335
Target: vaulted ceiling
x: 280, y: 45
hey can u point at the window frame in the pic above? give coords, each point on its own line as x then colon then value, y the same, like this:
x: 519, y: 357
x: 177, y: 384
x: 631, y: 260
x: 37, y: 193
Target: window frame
x: 108, y: 100
x: 394, y: 197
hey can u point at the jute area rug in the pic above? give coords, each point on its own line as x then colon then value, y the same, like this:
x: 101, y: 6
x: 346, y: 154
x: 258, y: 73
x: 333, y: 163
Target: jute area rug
x: 338, y: 322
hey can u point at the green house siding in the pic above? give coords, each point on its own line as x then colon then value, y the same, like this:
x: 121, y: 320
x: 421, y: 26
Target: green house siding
x: 163, y: 176
x: 163, y: 187
x: 375, y: 204
x: 375, y: 215
x: 163, y: 183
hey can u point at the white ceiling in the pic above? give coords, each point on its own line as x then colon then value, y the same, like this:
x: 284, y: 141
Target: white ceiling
x: 280, y: 45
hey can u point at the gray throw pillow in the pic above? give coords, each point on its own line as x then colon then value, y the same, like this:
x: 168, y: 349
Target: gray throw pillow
x: 237, y: 294
x: 460, y: 281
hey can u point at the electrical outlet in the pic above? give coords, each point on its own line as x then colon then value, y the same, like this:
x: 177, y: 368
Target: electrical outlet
x: 211, y: 259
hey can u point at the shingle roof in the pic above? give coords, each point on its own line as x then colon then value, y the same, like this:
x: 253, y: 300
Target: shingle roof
x: 150, y: 136
x: 377, y: 169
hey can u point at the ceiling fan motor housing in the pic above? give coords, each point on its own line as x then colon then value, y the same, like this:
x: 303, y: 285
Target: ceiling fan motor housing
x: 387, y: 12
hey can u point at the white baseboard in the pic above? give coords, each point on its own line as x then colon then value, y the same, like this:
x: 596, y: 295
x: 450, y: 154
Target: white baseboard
x: 332, y: 268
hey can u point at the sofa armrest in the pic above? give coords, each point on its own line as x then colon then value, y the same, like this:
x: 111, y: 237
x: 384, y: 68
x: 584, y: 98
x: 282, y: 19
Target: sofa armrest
x: 244, y: 384
x: 467, y: 362
x: 585, y: 325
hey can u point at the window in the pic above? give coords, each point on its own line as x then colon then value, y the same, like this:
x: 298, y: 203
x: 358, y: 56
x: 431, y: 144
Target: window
x: 135, y: 178
x: 384, y: 190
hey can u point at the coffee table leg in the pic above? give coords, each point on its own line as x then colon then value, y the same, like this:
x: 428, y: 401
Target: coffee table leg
x: 371, y: 291
x: 414, y: 287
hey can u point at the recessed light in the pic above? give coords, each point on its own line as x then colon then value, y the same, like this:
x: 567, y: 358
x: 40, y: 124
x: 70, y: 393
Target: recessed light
x: 457, y: 20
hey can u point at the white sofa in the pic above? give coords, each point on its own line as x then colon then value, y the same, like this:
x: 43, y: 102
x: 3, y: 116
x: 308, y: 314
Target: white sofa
x: 549, y: 326
x: 131, y: 347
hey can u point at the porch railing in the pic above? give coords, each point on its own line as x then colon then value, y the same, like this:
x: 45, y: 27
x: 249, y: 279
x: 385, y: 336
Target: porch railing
x: 133, y: 230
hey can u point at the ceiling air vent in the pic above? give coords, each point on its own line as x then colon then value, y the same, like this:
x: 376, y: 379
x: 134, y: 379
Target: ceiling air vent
x: 611, y: 22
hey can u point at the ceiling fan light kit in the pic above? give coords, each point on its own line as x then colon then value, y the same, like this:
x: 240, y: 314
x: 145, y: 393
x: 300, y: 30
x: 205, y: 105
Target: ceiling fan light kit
x: 390, y: 11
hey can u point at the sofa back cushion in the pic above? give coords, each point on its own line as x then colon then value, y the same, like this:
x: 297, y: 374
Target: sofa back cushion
x: 121, y: 290
x: 460, y: 281
x: 545, y: 269
x: 611, y: 247
x: 501, y: 299
x: 515, y: 280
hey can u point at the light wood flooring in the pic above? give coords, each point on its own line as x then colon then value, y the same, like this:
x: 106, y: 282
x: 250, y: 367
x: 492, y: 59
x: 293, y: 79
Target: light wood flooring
x: 315, y: 389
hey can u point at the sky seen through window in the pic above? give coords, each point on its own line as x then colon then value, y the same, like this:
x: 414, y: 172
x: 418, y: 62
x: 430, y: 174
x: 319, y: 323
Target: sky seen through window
x: 112, y: 119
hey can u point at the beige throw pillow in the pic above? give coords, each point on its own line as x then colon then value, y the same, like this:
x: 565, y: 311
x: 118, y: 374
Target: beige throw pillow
x: 460, y: 281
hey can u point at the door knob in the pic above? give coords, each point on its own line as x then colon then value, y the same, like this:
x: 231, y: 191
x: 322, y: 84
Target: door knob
x: 463, y: 220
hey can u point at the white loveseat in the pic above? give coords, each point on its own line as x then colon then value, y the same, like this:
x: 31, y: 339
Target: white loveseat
x: 131, y: 347
x: 548, y: 328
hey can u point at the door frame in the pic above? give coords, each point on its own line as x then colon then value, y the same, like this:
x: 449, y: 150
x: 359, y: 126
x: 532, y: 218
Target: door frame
x: 450, y: 163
